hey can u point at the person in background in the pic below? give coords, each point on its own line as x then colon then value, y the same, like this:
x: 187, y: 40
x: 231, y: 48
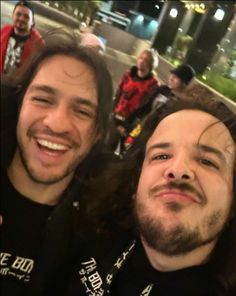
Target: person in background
x: 176, y: 88
x: 91, y: 40
x: 166, y: 224
x: 180, y: 77
x: 136, y: 84
x: 19, y: 39
x: 55, y: 117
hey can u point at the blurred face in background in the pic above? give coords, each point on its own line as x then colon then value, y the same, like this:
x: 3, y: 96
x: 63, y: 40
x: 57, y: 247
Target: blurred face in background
x: 23, y: 20
x: 174, y: 82
x: 144, y: 63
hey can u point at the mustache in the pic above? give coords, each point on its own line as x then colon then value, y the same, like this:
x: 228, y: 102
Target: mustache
x: 47, y: 131
x: 185, y: 187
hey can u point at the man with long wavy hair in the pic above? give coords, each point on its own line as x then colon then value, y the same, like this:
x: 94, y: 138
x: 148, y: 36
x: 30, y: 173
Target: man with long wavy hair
x: 165, y: 225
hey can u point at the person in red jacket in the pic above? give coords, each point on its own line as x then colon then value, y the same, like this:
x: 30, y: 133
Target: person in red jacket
x: 19, y: 39
x: 136, y: 84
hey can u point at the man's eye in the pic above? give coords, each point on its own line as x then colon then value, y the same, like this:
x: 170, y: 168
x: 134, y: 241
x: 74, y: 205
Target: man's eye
x: 41, y: 100
x: 83, y: 113
x: 209, y: 163
x: 161, y: 157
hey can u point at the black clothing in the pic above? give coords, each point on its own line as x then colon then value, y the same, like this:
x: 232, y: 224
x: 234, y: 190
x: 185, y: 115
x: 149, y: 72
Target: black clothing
x: 121, y: 268
x: 39, y: 244
x: 46, y: 234
x: 21, y: 236
x: 139, y: 276
x: 18, y: 38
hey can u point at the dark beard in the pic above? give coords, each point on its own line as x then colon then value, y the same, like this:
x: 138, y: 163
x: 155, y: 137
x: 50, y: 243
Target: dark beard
x: 33, y: 176
x: 179, y: 240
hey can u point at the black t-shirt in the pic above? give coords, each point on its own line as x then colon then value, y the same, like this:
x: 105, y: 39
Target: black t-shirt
x: 130, y: 273
x: 137, y: 277
x: 21, y: 237
x: 14, y: 51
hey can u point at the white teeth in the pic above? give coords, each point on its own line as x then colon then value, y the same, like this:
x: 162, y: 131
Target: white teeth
x: 50, y: 145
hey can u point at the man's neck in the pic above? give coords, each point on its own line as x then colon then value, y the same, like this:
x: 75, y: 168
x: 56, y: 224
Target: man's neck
x: 142, y: 74
x: 38, y: 192
x: 164, y: 263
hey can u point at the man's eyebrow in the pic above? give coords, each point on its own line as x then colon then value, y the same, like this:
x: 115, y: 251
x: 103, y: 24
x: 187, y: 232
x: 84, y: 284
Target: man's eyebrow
x: 44, y: 88
x: 158, y: 145
x: 210, y: 149
x: 52, y: 91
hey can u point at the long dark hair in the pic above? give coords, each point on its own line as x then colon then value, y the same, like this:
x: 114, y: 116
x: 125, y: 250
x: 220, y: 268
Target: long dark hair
x: 13, y: 88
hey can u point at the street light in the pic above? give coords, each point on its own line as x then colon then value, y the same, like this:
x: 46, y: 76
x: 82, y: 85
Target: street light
x: 173, y: 12
x: 219, y: 14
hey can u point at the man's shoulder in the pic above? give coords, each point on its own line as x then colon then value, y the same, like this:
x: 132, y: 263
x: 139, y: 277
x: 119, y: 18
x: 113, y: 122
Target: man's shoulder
x: 128, y: 72
x: 35, y: 34
x: 6, y: 29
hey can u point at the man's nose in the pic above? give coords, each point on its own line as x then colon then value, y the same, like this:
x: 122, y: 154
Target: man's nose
x: 59, y: 120
x: 21, y: 17
x: 179, y: 170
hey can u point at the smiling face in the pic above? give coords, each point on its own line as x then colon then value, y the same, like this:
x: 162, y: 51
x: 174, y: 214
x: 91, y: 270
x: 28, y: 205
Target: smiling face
x: 57, y: 121
x: 23, y: 20
x: 185, y: 190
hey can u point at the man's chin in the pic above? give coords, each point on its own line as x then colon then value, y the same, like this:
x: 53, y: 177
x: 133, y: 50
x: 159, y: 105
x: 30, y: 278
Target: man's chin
x: 48, y: 177
x: 22, y: 31
x: 46, y: 180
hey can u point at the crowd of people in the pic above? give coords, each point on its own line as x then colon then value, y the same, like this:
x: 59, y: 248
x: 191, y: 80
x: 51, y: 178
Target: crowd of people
x: 76, y: 219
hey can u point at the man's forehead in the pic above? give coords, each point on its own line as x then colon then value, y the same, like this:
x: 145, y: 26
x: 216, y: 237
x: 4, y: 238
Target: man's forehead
x: 71, y: 76
x: 66, y: 64
x: 193, y: 125
x: 24, y: 9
